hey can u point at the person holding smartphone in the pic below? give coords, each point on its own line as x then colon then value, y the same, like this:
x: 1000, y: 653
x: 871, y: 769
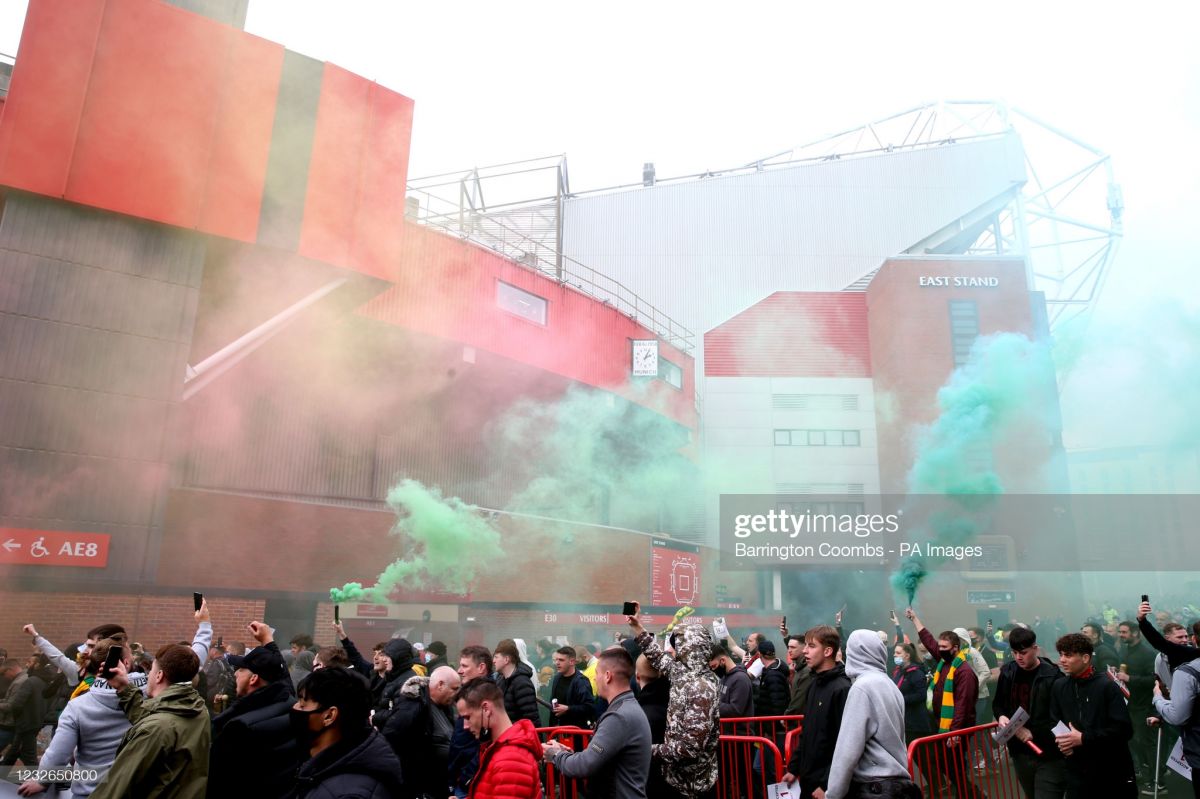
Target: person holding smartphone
x: 91, y: 726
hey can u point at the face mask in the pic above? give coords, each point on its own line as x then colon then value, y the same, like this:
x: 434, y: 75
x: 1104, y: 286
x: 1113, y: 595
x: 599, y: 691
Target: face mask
x: 948, y: 655
x: 298, y: 719
x: 719, y: 671
x: 899, y: 661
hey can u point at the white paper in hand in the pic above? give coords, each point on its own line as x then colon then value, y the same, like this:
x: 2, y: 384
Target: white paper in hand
x: 781, y: 790
x: 1176, y: 762
x: 1060, y: 729
x: 720, y: 630
x: 756, y: 669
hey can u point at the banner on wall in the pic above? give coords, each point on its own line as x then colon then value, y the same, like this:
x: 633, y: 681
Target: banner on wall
x: 674, y: 574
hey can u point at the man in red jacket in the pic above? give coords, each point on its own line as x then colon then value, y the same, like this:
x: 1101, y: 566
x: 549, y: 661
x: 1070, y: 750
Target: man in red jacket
x: 509, y: 753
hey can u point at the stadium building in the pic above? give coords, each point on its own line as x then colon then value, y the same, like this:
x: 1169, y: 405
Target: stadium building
x: 230, y: 323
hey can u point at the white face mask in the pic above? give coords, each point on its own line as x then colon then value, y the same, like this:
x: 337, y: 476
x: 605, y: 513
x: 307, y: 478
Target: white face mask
x: 899, y: 661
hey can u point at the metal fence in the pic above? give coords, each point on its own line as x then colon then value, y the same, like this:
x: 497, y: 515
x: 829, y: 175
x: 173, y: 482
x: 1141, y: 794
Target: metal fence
x: 966, y: 764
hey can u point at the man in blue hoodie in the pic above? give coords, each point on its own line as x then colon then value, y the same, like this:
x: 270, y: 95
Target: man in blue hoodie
x: 870, y: 756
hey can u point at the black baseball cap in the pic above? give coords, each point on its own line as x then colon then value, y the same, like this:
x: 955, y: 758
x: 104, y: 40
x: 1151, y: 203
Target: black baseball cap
x: 266, y: 663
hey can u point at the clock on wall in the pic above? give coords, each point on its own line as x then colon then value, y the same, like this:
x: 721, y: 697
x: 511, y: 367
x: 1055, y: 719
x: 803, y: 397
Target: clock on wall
x: 645, y: 357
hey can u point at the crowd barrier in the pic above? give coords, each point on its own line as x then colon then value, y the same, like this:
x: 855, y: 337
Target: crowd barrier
x: 741, y: 756
x: 747, y: 764
x: 966, y: 764
x: 557, y: 785
x: 783, y: 730
x: 974, y: 767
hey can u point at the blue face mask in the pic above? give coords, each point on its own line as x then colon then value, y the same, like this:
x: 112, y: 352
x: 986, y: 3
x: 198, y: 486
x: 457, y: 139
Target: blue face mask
x: 899, y: 661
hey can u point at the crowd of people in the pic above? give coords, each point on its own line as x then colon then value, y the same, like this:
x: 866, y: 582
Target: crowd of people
x: 217, y: 719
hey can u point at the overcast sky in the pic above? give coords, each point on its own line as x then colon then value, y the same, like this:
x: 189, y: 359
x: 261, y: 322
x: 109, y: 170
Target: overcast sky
x: 695, y: 86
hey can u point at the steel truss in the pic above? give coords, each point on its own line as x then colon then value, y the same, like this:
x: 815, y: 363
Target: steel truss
x: 1065, y: 219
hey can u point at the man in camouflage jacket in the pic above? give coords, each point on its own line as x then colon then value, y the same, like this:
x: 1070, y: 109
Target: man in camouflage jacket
x: 689, y: 749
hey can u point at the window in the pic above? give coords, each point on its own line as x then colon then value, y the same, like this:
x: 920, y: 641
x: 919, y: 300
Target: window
x: 818, y: 438
x: 964, y: 329
x: 815, y: 402
x: 670, y: 373
x: 520, y: 302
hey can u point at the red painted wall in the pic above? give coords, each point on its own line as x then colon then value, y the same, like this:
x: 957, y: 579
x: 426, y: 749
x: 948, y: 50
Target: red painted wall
x: 912, y: 350
x: 447, y: 288
x: 142, y: 108
x: 793, y: 334
x: 356, y: 180
x: 226, y: 541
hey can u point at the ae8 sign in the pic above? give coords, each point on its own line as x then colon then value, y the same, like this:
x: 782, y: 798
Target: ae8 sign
x: 53, y: 548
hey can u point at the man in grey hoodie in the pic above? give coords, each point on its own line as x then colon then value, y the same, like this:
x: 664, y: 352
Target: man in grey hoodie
x: 1183, y: 711
x: 870, y: 757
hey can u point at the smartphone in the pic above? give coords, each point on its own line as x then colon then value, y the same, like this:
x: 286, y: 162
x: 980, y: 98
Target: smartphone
x: 110, y: 662
x: 197, y: 600
x: 629, y: 609
x: 1145, y: 597
x: 337, y: 614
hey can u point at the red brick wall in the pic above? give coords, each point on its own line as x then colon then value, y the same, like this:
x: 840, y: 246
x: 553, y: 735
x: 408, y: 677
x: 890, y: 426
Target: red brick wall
x: 911, y: 348
x: 328, y: 546
x: 151, y: 620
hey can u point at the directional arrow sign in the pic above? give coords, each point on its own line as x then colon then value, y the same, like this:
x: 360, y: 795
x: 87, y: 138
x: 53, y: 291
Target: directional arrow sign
x: 53, y: 548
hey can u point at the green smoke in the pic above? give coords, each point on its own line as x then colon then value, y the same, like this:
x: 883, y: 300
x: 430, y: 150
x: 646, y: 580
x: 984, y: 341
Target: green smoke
x: 1007, y: 378
x: 908, y: 578
x: 1134, y: 381
x: 350, y: 592
x: 594, y: 457
x: 447, y: 542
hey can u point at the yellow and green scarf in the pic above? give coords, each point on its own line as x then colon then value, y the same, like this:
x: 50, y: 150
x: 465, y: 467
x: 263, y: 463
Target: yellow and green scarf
x: 946, y: 715
x: 84, y: 685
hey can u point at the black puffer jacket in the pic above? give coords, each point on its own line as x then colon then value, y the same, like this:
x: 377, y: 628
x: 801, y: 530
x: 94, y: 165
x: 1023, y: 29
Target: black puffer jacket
x: 419, y: 733
x: 772, y: 695
x: 254, y: 751
x: 401, y: 653
x: 520, y: 698
x: 363, y: 767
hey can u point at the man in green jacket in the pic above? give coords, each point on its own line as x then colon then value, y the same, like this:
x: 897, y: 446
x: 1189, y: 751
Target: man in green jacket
x: 164, y: 755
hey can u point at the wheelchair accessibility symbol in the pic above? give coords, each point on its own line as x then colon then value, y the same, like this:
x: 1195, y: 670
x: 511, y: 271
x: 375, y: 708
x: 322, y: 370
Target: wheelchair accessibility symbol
x: 38, y: 548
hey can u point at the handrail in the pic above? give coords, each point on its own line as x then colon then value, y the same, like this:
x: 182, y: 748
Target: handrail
x: 532, y: 254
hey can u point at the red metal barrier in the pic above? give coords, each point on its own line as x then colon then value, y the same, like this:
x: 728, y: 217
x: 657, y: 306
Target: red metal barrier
x: 965, y: 763
x: 766, y: 726
x: 747, y: 765
x: 791, y: 742
x: 556, y: 785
